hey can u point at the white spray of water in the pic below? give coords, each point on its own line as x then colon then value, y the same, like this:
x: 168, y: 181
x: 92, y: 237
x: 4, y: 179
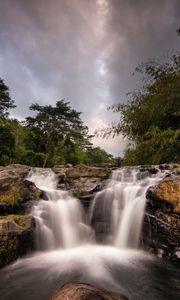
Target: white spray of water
x: 115, y: 216
x: 117, y: 212
x: 60, y: 219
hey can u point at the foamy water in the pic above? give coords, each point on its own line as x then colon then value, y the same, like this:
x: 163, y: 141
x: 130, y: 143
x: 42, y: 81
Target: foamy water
x: 69, y: 247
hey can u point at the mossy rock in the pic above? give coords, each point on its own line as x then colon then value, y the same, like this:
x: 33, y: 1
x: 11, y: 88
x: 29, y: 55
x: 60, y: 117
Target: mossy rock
x: 16, y: 237
x: 15, y: 190
x: 12, y: 198
x: 14, y: 223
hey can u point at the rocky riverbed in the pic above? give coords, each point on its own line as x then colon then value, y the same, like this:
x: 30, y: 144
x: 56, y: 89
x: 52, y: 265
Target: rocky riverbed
x: 161, y: 227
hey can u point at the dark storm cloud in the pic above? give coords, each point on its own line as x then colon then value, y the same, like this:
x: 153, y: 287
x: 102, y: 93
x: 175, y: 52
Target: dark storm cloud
x: 51, y: 49
x: 81, y: 50
x: 139, y: 31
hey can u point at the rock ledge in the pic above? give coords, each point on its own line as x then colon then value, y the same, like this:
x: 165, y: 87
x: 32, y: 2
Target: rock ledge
x: 80, y: 291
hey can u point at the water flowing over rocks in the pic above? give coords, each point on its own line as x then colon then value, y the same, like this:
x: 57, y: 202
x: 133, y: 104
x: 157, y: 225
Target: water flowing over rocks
x: 17, y: 196
x: 69, y: 236
x: 74, y: 291
x: 161, y: 227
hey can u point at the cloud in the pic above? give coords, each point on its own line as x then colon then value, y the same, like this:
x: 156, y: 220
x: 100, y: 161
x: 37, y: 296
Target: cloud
x: 138, y: 30
x: 83, y: 51
x: 55, y: 45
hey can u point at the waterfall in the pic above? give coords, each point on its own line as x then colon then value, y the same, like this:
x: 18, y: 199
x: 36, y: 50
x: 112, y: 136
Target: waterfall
x: 117, y: 212
x: 93, y: 247
x: 59, y: 220
x: 114, y: 218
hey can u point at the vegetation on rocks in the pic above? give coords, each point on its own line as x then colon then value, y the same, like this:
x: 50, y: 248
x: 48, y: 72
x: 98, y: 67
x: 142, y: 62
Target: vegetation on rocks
x: 15, y: 190
x: 16, y: 233
x: 12, y: 198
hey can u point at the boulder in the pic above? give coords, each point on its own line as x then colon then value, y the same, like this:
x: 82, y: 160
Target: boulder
x: 80, y: 291
x: 86, y: 171
x: 161, y: 234
x: 16, y: 237
x: 169, y: 190
x: 83, y: 181
x: 161, y: 228
x: 15, y: 190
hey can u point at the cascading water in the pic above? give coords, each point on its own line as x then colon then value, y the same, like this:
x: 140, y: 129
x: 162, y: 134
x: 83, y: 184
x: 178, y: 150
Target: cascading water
x: 60, y: 219
x: 115, y: 216
x: 71, y: 253
x: 117, y: 212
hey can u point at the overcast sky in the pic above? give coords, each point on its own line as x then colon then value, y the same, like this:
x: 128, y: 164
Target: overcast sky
x: 83, y: 51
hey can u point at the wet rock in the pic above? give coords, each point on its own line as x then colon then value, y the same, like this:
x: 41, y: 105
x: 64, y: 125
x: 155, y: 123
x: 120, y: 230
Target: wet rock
x: 82, y: 180
x: 15, y: 190
x: 161, y: 228
x: 86, y: 200
x: 161, y: 234
x: 80, y: 291
x: 168, y: 190
x: 16, y: 237
x: 83, y: 186
x: 149, y: 169
x: 86, y: 171
x: 171, y: 167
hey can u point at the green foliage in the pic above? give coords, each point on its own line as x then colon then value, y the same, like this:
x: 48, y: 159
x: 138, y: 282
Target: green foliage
x: 151, y: 118
x: 5, y: 100
x: 7, y: 145
x: 54, y: 135
x: 98, y: 156
x: 55, y: 127
x: 158, y: 147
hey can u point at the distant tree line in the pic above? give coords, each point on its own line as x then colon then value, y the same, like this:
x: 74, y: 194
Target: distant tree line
x: 54, y: 135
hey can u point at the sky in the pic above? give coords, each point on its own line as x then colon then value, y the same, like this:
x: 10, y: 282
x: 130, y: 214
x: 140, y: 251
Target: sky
x: 83, y: 51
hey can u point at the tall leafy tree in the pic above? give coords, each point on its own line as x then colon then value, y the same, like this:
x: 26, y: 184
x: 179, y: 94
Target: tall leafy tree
x: 151, y: 117
x: 55, y: 126
x: 5, y: 100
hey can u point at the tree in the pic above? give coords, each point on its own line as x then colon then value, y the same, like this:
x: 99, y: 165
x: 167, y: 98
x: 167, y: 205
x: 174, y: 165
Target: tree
x: 7, y: 145
x: 151, y: 118
x: 57, y: 126
x: 5, y: 100
x: 98, y: 155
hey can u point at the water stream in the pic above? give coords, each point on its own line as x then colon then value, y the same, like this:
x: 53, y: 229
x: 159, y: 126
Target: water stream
x: 99, y: 247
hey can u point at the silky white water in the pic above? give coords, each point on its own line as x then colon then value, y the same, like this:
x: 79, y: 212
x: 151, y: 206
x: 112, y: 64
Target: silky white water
x: 59, y: 221
x: 68, y: 244
x: 114, y: 218
x: 122, y: 206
